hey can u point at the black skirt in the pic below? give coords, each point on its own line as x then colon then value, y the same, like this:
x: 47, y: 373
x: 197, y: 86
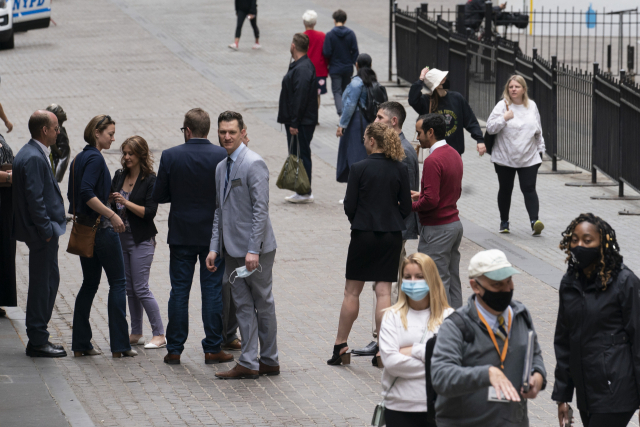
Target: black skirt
x: 374, y: 256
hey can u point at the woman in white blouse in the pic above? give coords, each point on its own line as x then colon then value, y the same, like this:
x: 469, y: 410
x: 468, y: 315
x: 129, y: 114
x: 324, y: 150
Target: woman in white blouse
x: 518, y: 148
x: 406, y: 327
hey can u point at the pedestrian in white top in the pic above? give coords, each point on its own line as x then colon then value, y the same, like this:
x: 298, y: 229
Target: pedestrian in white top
x: 518, y: 147
x: 407, y: 326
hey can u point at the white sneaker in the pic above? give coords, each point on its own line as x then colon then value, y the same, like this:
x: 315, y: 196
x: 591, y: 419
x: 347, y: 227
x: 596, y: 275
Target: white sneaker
x: 341, y: 201
x: 297, y: 198
x: 233, y: 46
x: 257, y: 46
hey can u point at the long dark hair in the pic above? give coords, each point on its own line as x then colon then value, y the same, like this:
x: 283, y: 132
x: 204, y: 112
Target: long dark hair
x: 140, y: 148
x: 610, y: 262
x: 365, y: 72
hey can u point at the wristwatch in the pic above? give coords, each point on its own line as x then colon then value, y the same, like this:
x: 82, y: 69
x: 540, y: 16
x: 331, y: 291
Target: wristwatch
x: 8, y: 176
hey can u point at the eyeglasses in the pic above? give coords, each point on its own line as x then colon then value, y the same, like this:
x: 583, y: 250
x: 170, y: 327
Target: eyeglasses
x: 183, y: 129
x: 103, y: 119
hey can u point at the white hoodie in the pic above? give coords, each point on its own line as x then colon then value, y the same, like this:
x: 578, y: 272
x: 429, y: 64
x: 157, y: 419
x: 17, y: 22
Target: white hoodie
x: 409, y: 392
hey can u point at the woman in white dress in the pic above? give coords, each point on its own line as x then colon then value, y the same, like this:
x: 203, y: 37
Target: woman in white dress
x: 518, y: 148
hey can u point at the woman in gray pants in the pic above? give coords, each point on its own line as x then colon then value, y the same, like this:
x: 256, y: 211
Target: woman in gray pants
x: 131, y: 191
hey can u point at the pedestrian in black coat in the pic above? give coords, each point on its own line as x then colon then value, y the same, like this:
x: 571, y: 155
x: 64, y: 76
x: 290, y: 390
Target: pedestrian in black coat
x: 244, y: 9
x: 597, y: 339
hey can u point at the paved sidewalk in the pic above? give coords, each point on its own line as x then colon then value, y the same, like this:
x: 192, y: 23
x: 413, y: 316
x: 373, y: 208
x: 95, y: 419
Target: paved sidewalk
x: 146, y: 63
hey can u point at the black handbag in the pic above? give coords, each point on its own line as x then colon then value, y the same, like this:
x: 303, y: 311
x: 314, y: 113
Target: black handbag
x: 489, y: 140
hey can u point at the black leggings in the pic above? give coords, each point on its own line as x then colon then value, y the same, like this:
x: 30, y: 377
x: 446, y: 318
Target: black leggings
x: 254, y: 23
x: 527, y: 177
x: 620, y: 419
x: 406, y: 419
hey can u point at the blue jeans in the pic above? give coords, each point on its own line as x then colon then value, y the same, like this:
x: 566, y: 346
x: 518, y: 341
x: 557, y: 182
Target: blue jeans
x: 182, y: 265
x: 107, y: 254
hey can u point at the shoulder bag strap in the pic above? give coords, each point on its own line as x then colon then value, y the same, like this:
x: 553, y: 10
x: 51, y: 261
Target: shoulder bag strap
x: 73, y: 185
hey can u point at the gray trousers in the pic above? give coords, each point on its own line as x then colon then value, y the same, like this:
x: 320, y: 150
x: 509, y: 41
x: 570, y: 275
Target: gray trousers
x: 229, y: 317
x: 442, y: 244
x: 256, y: 311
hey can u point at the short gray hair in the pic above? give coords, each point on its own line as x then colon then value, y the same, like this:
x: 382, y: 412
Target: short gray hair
x: 310, y: 18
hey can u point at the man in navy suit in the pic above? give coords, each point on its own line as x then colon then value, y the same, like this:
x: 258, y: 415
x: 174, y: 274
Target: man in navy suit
x: 38, y: 221
x: 187, y: 180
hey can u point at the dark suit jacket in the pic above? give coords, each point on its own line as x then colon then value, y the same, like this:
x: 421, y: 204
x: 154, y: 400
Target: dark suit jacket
x: 141, y: 228
x: 38, y: 206
x: 378, y: 194
x: 187, y: 180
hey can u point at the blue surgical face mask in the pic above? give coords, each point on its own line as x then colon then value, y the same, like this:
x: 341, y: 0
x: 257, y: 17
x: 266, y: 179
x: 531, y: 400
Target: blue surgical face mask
x: 415, y: 289
x: 242, y: 272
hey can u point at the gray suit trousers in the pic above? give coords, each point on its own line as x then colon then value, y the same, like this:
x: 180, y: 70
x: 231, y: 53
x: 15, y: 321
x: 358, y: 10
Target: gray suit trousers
x: 442, y: 244
x: 229, y: 319
x: 256, y: 311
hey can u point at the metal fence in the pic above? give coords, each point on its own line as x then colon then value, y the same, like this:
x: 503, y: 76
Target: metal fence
x: 630, y: 132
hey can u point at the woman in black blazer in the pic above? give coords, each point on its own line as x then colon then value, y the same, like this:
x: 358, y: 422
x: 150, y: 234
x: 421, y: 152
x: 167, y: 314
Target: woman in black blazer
x: 378, y: 200
x: 131, y: 191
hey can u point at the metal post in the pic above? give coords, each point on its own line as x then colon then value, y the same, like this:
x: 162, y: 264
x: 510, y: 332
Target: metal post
x: 554, y: 109
x: 630, y: 59
x: 488, y: 20
x: 596, y: 69
x: 460, y: 19
x: 391, y: 12
x: 609, y: 58
x: 620, y: 182
x: 424, y: 8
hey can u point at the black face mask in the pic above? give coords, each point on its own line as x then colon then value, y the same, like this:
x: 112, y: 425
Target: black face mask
x: 584, y: 256
x: 498, y: 301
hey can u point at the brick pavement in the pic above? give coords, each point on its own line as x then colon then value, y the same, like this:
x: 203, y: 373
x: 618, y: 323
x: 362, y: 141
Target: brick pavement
x: 98, y: 59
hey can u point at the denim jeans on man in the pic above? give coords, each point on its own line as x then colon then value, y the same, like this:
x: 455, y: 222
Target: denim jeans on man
x: 107, y: 254
x: 339, y: 83
x: 182, y: 265
x: 305, y: 135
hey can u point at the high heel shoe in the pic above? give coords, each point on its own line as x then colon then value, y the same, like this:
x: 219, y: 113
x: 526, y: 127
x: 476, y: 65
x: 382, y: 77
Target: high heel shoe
x: 92, y: 352
x: 140, y: 341
x: 128, y: 353
x: 337, y: 358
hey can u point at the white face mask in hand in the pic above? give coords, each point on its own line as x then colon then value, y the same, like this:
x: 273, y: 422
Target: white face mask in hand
x: 242, y: 272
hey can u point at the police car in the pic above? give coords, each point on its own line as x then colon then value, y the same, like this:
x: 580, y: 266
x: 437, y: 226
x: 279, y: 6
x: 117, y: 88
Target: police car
x: 22, y: 15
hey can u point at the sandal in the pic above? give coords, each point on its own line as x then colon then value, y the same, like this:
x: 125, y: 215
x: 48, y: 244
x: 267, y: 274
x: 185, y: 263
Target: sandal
x: 339, y: 359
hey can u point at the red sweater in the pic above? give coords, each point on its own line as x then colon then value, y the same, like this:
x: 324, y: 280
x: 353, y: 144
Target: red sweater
x: 440, y: 188
x: 316, y: 41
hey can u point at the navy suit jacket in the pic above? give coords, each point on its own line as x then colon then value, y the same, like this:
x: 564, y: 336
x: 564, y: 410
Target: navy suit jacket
x: 187, y: 180
x: 38, y: 212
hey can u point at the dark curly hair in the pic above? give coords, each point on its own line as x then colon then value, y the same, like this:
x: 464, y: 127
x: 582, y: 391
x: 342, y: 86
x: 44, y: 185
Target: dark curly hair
x: 610, y: 262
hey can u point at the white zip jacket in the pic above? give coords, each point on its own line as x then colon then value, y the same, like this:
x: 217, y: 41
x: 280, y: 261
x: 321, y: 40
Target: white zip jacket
x: 409, y: 393
x: 519, y: 141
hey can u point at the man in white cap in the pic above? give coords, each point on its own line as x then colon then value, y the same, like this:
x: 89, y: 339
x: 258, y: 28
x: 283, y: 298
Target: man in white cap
x: 477, y: 381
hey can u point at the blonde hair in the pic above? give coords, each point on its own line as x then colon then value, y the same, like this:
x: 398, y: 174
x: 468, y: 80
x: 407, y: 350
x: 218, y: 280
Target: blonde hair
x: 522, y: 82
x: 437, y: 294
x: 386, y: 139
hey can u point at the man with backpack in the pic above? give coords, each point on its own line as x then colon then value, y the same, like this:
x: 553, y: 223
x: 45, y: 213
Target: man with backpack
x: 478, y: 382
x: 298, y: 108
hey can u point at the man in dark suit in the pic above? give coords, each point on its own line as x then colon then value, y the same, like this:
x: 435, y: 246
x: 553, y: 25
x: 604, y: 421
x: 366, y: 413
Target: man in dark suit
x: 38, y: 221
x: 186, y: 179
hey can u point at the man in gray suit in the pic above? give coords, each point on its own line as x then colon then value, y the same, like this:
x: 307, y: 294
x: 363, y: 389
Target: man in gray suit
x: 39, y: 220
x: 242, y: 233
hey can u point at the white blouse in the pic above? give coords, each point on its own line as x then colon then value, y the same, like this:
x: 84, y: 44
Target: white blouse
x: 519, y: 141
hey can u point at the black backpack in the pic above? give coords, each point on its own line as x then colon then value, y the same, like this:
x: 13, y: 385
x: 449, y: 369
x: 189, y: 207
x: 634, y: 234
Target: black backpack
x: 376, y: 95
x: 468, y: 337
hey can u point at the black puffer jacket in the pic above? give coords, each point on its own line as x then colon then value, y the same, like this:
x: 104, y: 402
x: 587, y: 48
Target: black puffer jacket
x: 597, y: 343
x: 299, y: 95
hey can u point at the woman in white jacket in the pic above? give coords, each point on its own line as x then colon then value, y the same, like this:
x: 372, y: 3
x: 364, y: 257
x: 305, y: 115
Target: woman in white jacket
x: 518, y: 148
x: 406, y: 327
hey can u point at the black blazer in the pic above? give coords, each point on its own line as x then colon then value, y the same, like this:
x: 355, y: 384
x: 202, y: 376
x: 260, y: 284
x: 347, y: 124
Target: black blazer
x: 378, y: 194
x: 141, y: 228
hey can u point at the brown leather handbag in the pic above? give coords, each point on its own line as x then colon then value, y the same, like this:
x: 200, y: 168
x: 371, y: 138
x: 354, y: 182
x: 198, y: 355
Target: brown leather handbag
x: 83, y: 237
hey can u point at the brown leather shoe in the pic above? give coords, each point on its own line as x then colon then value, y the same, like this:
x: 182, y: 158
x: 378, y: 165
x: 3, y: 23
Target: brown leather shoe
x: 268, y: 369
x: 238, y: 372
x: 172, y: 359
x: 221, y: 357
x: 233, y: 345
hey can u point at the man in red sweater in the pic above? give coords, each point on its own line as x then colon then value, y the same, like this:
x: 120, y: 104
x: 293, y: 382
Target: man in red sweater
x: 441, y: 186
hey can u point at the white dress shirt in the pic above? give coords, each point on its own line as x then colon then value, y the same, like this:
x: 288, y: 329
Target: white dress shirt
x: 438, y: 144
x: 45, y: 149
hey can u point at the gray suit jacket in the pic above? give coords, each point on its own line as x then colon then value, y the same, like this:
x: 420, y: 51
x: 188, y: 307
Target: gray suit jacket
x: 413, y: 167
x: 241, y: 223
x: 38, y: 206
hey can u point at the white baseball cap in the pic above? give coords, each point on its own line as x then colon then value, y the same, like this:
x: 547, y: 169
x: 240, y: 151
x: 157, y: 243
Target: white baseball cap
x: 433, y: 78
x: 492, y: 264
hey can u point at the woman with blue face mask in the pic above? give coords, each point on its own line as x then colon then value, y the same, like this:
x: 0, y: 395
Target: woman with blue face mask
x: 416, y: 317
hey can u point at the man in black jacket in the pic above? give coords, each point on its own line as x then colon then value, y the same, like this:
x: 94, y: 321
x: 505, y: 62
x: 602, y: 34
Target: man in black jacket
x: 298, y: 109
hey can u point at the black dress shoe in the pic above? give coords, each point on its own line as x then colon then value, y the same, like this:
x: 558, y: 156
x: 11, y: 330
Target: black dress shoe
x: 370, y: 350
x: 45, y: 350
x: 56, y: 346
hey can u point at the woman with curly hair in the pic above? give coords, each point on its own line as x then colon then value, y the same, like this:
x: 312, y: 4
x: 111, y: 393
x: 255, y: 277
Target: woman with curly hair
x: 377, y: 201
x: 597, y: 339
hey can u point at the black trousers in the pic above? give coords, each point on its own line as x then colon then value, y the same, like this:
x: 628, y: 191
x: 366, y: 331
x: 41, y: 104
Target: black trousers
x: 44, y: 279
x: 254, y: 23
x: 527, y: 177
x: 8, y: 294
x: 406, y: 419
x: 305, y: 135
x: 620, y: 419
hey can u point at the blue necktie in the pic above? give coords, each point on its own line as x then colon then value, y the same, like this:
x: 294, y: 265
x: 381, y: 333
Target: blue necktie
x: 226, y: 181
